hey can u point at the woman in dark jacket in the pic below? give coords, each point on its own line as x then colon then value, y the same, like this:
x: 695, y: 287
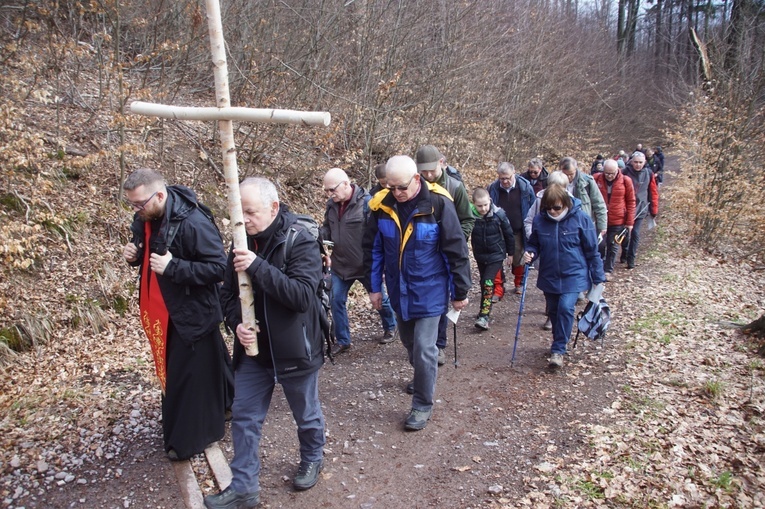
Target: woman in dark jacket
x: 565, y: 240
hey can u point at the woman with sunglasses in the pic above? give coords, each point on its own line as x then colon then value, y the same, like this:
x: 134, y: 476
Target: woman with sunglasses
x: 564, y: 239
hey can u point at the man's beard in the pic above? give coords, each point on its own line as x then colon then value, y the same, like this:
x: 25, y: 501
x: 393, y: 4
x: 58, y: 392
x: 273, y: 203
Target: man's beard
x: 147, y: 216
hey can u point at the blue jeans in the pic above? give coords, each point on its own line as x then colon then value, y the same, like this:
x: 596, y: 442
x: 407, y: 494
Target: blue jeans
x: 253, y: 387
x: 560, y: 309
x: 419, y: 339
x: 340, y: 289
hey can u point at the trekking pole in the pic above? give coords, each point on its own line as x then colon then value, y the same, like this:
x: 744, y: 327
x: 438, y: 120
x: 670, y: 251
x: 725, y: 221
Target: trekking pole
x: 452, y: 316
x: 455, y: 345
x: 520, y: 311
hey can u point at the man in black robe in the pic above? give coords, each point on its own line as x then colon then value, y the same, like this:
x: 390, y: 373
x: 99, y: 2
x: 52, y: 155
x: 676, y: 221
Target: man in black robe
x: 181, y: 259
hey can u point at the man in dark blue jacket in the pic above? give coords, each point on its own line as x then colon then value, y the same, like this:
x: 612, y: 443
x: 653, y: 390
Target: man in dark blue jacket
x: 284, y: 283
x: 514, y: 195
x: 181, y: 259
x: 414, y: 239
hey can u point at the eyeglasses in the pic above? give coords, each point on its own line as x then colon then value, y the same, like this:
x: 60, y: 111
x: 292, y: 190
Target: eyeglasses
x: 401, y: 188
x: 505, y: 179
x: 556, y: 208
x: 141, y: 205
x: 332, y: 190
x: 609, y: 174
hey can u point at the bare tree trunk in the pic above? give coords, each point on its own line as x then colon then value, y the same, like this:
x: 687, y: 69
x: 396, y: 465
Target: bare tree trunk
x: 230, y: 169
x: 621, y: 28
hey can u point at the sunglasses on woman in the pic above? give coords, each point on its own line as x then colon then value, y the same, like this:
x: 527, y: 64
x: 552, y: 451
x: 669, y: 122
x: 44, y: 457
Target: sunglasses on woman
x: 556, y: 208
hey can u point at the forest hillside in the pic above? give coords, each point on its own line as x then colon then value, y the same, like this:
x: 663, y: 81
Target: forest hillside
x: 485, y: 81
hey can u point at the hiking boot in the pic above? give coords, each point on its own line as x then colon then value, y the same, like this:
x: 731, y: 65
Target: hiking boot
x: 389, y: 336
x: 518, y: 290
x: 417, y: 419
x: 630, y: 264
x: 410, y: 387
x: 338, y: 349
x: 548, y: 324
x: 482, y: 322
x: 609, y: 277
x: 495, y: 299
x: 441, y: 356
x: 307, y: 475
x: 230, y: 499
x: 556, y: 360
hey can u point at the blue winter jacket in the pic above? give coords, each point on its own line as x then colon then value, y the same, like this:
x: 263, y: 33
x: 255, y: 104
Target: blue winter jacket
x: 424, y: 257
x: 568, y: 252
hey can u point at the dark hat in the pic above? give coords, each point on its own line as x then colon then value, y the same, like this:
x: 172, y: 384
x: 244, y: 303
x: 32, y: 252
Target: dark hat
x: 427, y: 158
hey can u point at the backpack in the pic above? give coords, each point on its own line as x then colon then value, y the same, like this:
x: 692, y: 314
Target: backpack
x: 307, y: 223
x: 174, y: 225
x: 593, y: 321
x: 454, y: 172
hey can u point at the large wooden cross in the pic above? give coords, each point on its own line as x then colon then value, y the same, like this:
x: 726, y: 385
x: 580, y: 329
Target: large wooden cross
x: 225, y: 114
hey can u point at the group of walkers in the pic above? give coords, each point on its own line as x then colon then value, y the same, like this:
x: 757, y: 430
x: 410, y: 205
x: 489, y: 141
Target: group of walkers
x: 405, y: 241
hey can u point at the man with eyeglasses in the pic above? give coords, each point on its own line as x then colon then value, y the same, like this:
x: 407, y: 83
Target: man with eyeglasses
x: 646, y: 201
x: 415, y: 242
x: 619, y: 195
x: 515, y: 195
x: 345, y: 218
x: 180, y: 255
x: 431, y: 165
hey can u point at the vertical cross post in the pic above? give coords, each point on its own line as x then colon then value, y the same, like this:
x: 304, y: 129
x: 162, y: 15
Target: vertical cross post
x: 225, y: 115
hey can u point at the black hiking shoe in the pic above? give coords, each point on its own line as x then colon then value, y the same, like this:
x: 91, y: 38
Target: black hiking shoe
x: 230, y: 499
x: 307, y: 475
x: 389, y: 336
x: 417, y: 419
x: 338, y: 349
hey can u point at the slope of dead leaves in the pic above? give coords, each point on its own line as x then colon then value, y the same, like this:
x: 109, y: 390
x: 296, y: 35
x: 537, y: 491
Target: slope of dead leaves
x: 687, y: 428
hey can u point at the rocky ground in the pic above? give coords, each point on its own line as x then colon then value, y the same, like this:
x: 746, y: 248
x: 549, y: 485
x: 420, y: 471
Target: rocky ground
x: 669, y: 413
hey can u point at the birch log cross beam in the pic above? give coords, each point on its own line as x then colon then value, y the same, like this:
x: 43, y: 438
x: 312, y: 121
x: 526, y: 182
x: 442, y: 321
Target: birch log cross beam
x: 225, y: 115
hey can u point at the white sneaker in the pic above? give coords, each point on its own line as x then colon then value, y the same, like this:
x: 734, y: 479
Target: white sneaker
x: 556, y: 360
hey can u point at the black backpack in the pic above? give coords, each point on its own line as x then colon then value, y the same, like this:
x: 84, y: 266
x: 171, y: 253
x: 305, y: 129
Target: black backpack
x: 173, y: 225
x: 307, y: 223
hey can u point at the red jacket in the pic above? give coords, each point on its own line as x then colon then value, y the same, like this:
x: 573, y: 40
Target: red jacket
x: 621, y: 202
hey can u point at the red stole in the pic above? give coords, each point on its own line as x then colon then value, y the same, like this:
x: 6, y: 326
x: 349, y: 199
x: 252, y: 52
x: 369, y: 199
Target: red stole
x: 154, y: 315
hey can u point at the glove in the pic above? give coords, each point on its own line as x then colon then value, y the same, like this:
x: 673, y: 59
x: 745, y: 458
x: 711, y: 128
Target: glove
x: 595, y: 292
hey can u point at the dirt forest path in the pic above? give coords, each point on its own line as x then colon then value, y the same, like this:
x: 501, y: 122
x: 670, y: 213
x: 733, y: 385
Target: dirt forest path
x: 498, y: 433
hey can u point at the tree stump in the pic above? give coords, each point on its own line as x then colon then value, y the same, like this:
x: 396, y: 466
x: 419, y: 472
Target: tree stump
x: 757, y: 329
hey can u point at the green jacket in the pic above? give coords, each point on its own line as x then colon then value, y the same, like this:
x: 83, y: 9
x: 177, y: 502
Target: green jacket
x: 461, y: 202
x: 586, y: 189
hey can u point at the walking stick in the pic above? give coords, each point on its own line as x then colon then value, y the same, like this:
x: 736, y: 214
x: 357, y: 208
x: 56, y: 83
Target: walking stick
x: 455, y: 345
x: 520, y: 311
x: 453, y: 315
